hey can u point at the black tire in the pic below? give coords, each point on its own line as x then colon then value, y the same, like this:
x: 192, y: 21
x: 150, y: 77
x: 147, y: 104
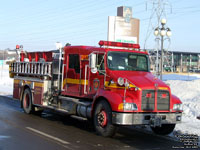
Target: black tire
x: 27, y: 101
x: 102, y: 119
x: 164, y: 129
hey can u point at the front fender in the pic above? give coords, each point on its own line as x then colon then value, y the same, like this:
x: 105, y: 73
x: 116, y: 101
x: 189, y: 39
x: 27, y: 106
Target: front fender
x: 175, y: 100
x: 113, y: 98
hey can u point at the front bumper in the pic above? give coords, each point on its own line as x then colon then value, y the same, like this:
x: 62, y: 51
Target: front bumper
x: 153, y: 119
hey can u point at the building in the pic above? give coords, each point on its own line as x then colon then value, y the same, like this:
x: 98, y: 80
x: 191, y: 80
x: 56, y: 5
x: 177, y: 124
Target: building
x: 176, y: 61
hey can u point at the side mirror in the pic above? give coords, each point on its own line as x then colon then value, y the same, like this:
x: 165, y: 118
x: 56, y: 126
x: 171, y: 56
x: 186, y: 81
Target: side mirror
x: 92, y: 62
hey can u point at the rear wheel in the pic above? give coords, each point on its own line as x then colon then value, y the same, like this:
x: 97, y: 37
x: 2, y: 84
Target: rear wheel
x: 103, y: 119
x: 164, y: 129
x: 27, y: 101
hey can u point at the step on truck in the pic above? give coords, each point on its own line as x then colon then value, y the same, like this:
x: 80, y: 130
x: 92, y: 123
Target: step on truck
x: 110, y: 85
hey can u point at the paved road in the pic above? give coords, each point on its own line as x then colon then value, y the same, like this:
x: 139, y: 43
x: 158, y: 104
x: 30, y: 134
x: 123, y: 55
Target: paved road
x: 51, y: 131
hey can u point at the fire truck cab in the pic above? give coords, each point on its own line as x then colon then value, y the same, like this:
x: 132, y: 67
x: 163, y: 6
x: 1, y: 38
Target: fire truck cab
x: 111, y: 85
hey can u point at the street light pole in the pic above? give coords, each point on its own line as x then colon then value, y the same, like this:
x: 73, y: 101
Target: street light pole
x: 162, y: 32
x: 161, y: 63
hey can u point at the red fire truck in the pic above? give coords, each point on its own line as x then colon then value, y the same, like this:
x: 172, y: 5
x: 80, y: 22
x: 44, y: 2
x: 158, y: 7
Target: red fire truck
x: 111, y: 85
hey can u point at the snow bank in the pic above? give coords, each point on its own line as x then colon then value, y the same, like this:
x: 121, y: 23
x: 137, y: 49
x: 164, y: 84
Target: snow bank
x: 189, y: 93
x: 6, y: 83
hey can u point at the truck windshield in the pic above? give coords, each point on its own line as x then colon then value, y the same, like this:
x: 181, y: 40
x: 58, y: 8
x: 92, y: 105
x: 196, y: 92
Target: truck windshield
x: 127, y: 61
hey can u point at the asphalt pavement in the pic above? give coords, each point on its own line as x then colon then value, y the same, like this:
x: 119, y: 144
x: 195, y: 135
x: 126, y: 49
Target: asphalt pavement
x: 52, y: 131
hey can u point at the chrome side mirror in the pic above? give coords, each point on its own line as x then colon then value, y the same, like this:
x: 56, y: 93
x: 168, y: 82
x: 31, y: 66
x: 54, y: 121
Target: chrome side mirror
x: 92, y: 62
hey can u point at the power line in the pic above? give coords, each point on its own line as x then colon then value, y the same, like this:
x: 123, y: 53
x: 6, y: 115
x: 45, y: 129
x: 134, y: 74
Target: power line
x: 54, y: 28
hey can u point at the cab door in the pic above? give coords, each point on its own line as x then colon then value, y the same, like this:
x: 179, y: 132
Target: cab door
x: 73, y: 75
x: 92, y: 81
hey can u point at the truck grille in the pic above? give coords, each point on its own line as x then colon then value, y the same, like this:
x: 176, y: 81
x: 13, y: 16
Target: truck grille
x: 148, y: 100
x: 163, y: 100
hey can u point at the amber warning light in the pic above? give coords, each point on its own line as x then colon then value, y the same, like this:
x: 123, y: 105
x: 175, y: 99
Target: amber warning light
x: 119, y: 44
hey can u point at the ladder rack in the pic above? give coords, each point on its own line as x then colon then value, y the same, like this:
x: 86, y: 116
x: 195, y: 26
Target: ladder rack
x: 32, y: 68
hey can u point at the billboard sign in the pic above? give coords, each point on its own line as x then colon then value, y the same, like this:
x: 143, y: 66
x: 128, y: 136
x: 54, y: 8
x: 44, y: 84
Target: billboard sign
x: 123, y: 28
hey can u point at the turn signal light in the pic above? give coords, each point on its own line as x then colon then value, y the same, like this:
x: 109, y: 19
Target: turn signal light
x: 127, y: 106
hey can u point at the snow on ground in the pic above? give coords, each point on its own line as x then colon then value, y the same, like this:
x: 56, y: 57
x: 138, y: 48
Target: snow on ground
x: 6, y: 83
x: 188, y: 90
x: 186, y: 87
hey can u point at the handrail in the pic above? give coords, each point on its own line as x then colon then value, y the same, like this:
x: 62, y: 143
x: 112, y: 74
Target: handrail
x: 85, y: 81
x: 32, y: 68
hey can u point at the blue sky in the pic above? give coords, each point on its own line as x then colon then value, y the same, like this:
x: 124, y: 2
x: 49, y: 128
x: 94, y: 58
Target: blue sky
x: 39, y: 24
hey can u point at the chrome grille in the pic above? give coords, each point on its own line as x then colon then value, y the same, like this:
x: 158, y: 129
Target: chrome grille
x: 163, y: 100
x: 148, y: 100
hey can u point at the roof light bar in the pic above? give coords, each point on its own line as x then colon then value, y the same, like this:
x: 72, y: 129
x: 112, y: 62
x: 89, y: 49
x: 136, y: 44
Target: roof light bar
x: 119, y: 44
x: 17, y: 46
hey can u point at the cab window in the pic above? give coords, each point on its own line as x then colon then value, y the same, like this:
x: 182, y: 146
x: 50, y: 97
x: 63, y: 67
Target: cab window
x: 100, y: 63
x: 74, y: 62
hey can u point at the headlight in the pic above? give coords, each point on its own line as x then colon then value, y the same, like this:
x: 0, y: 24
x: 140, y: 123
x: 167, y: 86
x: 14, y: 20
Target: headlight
x: 120, y: 81
x: 178, y: 107
x: 127, y: 106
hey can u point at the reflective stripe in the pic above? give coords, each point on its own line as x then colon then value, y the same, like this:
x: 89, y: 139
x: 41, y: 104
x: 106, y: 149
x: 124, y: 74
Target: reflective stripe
x: 37, y: 84
x: 77, y: 81
x: 74, y: 81
x: 114, y: 85
x: 16, y: 81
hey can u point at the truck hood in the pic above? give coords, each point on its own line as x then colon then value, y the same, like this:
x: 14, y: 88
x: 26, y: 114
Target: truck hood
x: 143, y: 80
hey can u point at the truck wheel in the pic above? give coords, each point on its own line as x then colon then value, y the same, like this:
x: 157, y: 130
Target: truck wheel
x: 103, y: 119
x: 164, y: 129
x: 27, y: 101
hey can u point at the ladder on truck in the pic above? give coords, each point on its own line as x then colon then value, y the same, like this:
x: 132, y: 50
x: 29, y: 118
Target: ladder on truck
x: 31, y: 68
